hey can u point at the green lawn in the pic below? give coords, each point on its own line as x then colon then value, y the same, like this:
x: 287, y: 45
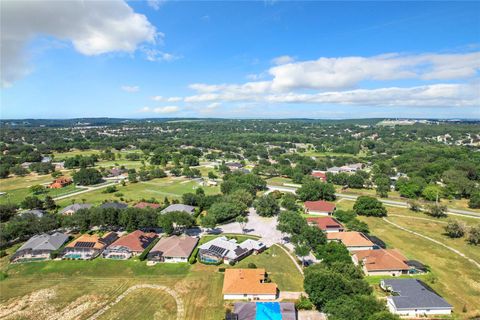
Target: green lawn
x: 452, y: 276
x: 278, y: 181
x: 90, y: 285
x: 17, y: 195
x: 133, y: 192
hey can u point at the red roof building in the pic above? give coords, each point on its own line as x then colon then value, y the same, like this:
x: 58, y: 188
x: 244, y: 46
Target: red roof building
x: 319, y: 175
x: 327, y: 224
x: 143, y: 205
x: 137, y: 241
x: 319, y: 207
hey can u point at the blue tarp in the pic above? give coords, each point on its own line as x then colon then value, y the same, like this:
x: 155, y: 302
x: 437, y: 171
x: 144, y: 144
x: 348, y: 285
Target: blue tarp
x: 268, y: 311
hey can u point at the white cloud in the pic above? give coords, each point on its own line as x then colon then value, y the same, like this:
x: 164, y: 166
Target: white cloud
x: 167, y: 99
x: 130, y: 89
x: 93, y: 27
x: 282, y: 60
x: 155, y: 4
x: 166, y: 109
x: 158, y: 55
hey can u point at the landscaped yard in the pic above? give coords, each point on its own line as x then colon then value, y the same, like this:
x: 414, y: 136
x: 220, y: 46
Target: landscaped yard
x: 49, y: 289
x: 454, y: 277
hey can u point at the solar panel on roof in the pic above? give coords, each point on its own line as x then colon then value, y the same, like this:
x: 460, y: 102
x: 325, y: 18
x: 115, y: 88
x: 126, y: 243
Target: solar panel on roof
x: 217, y: 250
x: 82, y: 244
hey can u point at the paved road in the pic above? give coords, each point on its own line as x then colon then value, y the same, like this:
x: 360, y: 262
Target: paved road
x: 87, y: 189
x: 387, y: 202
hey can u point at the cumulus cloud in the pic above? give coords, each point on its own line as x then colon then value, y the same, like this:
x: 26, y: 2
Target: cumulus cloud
x: 130, y: 89
x: 166, y: 109
x: 282, y: 60
x: 167, y: 99
x: 152, y: 54
x: 93, y: 28
x: 155, y: 4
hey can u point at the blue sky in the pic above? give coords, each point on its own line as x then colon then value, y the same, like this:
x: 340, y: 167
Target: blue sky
x: 240, y: 59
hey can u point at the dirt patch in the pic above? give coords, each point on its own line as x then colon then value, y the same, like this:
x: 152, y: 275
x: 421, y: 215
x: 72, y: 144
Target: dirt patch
x: 37, y: 305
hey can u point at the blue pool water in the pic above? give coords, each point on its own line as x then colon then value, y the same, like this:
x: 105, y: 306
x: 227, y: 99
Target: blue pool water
x: 73, y: 256
x: 268, y: 311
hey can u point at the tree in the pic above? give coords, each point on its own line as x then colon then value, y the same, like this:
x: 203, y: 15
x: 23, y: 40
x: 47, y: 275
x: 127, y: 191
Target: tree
x: 289, y: 202
x: 436, y: 210
x: 313, y: 190
x: 355, y: 181
x: 432, y: 193
x: 455, y: 229
x: 302, y: 251
x: 32, y: 203
x: 356, y: 307
x: 49, y: 203
x: 7, y: 211
x: 225, y: 211
x: 242, y: 220
x: 208, y: 222
x: 267, y: 206
x: 357, y: 225
x: 474, y: 202
x: 414, y: 205
x: 212, y: 175
x: 383, y: 315
x: 474, y: 235
x: 323, y: 286
x: 132, y: 176
x: 383, y: 186
x: 87, y: 176
x: 37, y: 189
x: 369, y: 206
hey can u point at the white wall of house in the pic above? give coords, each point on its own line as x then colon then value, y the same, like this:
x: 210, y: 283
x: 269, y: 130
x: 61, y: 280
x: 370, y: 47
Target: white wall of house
x: 318, y: 213
x: 249, y: 296
x: 394, y: 273
x: 334, y: 230
x: 416, y: 312
x: 354, y: 248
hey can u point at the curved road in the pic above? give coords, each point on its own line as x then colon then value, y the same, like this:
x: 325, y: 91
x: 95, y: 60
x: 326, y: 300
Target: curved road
x: 387, y: 202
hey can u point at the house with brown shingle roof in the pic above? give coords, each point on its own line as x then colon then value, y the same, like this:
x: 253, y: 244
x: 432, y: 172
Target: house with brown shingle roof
x: 319, y: 175
x: 388, y: 262
x: 354, y: 241
x: 173, y: 249
x: 326, y: 224
x: 319, y: 207
x: 88, y: 246
x: 240, y: 284
x: 129, y: 245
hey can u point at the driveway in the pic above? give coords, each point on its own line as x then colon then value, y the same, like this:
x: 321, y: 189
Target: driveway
x: 266, y: 228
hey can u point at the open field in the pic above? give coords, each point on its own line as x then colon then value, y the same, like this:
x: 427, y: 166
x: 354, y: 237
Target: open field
x: 18, y: 195
x: 454, y: 277
x: 156, y: 188
x: 330, y: 154
x: 85, y: 287
x: 59, y: 156
x: 13, y: 183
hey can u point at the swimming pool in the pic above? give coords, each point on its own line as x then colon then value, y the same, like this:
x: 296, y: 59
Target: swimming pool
x: 268, y: 311
x: 73, y: 256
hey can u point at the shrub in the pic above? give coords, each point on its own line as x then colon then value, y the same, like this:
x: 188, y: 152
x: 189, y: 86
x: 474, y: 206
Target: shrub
x: 455, y: 229
x: 303, y: 303
x: 222, y: 269
x: 193, y: 257
x: 252, y: 265
x: 145, y: 252
x: 3, y: 253
x: 118, y: 194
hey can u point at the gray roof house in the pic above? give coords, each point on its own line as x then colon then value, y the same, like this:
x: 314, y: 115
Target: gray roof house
x: 413, y: 298
x: 39, y: 247
x: 71, y: 209
x: 226, y: 250
x: 35, y: 212
x: 179, y: 207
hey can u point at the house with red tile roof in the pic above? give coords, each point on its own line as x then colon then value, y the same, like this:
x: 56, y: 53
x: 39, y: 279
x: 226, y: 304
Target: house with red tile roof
x: 250, y: 284
x: 88, y: 246
x: 129, y: 245
x: 381, y: 262
x: 60, y: 183
x: 354, y: 241
x: 319, y: 175
x: 326, y: 224
x: 143, y: 205
x: 319, y: 207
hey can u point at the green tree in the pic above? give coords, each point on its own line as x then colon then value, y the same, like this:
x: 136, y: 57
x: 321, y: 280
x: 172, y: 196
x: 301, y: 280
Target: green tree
x: 436, y: 210
x: 87, y: 176
x: 432, y: 193
x: 49, y: 203
x: 474, y: 235
x: 474, y: 202
x: 242, y: 221
x: 369, y: 206
x: 383, y: 185
x: 37, y: 189
x: 455, y: 229
x: 267, y: 206
x: 312, y: 190
x: 32, y: 203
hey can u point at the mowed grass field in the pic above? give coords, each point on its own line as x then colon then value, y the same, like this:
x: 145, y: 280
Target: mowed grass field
x: 452, y: 276
x: 49, y: 289
x: 173, y: 188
